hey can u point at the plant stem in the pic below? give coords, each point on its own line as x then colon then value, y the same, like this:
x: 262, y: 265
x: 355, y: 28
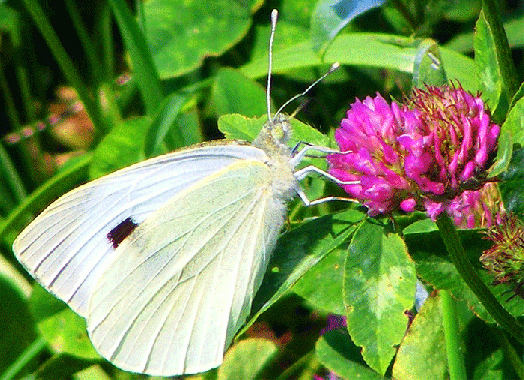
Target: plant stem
x: 472, y: 279
x: 66, y: 63
x: 511, y: 354
x: 34, y: 349
x: 457, y: 371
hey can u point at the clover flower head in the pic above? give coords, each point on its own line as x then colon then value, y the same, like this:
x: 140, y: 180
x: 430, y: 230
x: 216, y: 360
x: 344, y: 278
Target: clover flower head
x: 421, y: 154
x: 505, y: 259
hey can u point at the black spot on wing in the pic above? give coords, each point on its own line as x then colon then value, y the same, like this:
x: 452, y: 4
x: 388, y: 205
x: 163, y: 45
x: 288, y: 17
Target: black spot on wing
x: 118, y: 234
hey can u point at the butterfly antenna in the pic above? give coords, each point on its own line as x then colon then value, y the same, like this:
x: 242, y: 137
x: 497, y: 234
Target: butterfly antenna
x: 274, y: 16
x: 333, y: 67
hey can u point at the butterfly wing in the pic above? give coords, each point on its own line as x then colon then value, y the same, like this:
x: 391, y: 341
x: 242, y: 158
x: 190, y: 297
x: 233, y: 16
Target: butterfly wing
x: 182, y: 283
x: 66, y: 247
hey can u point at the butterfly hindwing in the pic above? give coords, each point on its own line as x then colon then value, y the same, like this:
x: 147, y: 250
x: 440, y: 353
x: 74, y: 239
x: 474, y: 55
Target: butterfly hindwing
x: 182, y: 284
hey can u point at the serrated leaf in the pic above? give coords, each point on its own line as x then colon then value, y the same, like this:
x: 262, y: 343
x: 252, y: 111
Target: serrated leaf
x: 492, y: 65
x: 379, y: 287
x: 238, y: 127
x: 422, y: 354
x: 515, y: 122
x: 247, y: 359
x: 336, y: 351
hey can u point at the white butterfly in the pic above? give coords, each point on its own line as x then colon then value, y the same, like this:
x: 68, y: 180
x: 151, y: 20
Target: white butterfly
x: 163, y: 258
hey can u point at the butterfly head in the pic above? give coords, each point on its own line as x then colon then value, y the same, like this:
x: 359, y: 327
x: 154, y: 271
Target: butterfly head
x: 274, y: 135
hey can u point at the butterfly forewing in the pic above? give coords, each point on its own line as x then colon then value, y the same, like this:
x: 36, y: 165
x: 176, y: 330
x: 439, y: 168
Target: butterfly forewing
x: 66, y: 247
x: 181, y: 285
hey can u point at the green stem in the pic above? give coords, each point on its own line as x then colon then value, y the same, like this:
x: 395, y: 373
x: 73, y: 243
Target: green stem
x: 85, y: 41
x: 10, y: 104
x: 105, y: 25
x: 34, y: 349
x: 65, y: 62
x: 472, y: 279
x: 511, y: 354
x: 457, y: 371
x: 11, y: 177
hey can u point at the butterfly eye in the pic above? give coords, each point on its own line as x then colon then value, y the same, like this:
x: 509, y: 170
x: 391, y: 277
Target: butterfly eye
x: 278, y: 133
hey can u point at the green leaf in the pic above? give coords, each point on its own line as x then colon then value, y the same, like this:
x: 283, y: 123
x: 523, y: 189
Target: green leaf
x: 330, y: 16
x: 16, y: 322
x: 366, y: 50
x: 336, y: 351
x: 165, y: 122
x: 247, y: 359
x: 492, y: 367
x: 186, y: 131
x: 379, y: 287
x: 233, y: 92
x: 504, y: 153
x: 63, y: 366
x: 181, y: 34
x: 44, y: 304
x: 121, y: 147
x: 492, y: 61
x: 66, y: 333
x: 298, y: 251
x: 518, y: 95
x: 91, y: 373
x: 292, y: 28
x: 512, y: 185
x: 511, y: 132
x: 435, y: 267
x: 322, y: 285
x: 428, y: 68
x: 422, y: 354
x: 139, y: 51
x: 515, y: 123
x: 424, y: 225
x: 10, y: 24
x: 490, y: 354
x: 238, y: 127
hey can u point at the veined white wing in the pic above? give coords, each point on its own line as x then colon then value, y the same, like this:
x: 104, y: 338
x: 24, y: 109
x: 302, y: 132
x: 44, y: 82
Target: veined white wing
x: 67, y: 247
x: 181, y: 285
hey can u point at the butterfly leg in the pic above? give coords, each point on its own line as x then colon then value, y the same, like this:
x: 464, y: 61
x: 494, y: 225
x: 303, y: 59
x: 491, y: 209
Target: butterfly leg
x: 314, y: 202
x: 300, y: 154
x: 304, y: 172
